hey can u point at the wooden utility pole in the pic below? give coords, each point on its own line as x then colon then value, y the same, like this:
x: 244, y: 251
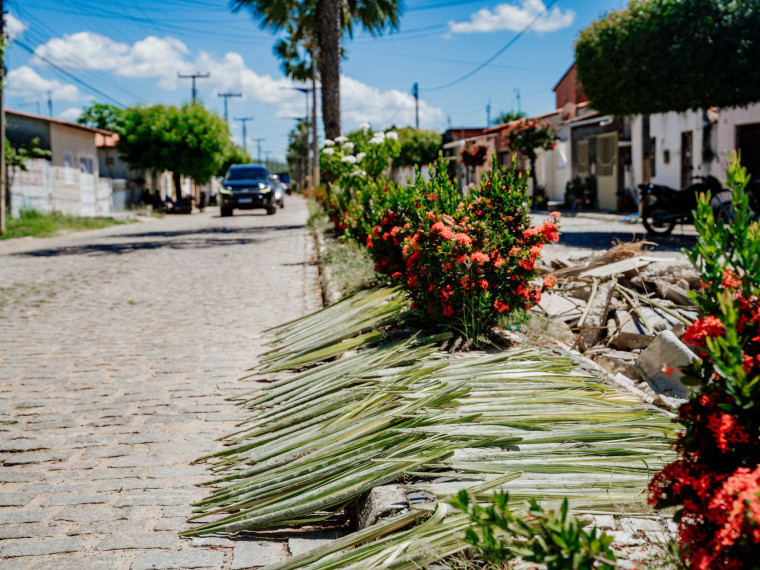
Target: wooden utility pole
x: 194, y: 76
x: 2, y: 118
x: 258, y: 149
x: 416, y: 93
x: 244, y: 120
x: 227, y: 96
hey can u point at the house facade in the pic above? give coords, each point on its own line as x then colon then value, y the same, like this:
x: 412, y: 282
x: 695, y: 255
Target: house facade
x: 69, y: 182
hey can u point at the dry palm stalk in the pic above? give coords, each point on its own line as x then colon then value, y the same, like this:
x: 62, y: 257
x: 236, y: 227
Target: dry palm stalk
x: 618, y: 252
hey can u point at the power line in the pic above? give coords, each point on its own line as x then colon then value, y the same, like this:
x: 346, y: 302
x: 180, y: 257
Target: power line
x: 497, y: 54
x: 73, y: 78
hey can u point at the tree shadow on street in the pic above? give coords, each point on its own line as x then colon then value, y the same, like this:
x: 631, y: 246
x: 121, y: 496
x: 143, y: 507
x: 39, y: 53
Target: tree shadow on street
x: 128, y: 247
x: 605, y: 240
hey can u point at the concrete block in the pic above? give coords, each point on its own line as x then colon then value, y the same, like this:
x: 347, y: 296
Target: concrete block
x: 617, y: 362
x: 381, y: 502
x: 255, y: 553
x: 301, y: 544
x: 666, y: 349
x: 631, y: 334
x: 560, y: 307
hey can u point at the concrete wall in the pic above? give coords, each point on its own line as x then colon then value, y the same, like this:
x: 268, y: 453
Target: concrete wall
x: 666, y: 128
x: 80, y: 143
x: 728, y: 120
x: 46, y: 188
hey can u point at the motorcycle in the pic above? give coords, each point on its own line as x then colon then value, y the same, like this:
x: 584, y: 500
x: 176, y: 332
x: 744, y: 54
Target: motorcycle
x: 663, y: 207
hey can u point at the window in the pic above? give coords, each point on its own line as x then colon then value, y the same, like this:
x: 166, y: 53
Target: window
x: 85, y: 165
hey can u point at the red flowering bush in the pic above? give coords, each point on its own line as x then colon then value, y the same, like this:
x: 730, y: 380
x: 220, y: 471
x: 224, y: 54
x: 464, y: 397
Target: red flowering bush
x: 526, y: 136
x: 474, y: 155
x: 466, y: 268
x: 715, y: 482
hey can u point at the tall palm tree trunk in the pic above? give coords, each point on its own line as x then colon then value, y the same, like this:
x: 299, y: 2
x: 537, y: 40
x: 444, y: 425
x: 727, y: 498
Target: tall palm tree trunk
x: 329, y: 66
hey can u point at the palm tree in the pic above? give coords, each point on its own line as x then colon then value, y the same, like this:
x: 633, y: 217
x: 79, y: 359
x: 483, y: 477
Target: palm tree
x: 325, y: 22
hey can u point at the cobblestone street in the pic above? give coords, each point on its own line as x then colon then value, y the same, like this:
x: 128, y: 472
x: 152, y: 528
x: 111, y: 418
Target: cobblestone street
x: 117, y: 350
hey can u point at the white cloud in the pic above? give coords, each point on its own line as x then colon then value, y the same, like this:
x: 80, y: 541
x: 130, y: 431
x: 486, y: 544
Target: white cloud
x: 515, y: 18
x: 25, y: 82
x: 361, y: 103
x: 151, y: 57
x: 13, y: 26
x: 71, y: 114
x: 162, y: 58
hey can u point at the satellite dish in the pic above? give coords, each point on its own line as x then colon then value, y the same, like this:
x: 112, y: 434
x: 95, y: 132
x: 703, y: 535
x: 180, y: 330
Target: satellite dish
x: 568, y: 111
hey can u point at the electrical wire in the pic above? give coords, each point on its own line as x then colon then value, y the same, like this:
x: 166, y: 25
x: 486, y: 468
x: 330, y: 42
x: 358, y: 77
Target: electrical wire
x: 494, y: 56
x: 70, y: 76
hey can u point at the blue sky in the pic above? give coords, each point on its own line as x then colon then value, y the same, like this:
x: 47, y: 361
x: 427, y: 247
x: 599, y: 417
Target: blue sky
x: 130, y: 51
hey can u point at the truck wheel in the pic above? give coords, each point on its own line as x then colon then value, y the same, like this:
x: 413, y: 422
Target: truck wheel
x: 226, y: 212
x: 271, y: 209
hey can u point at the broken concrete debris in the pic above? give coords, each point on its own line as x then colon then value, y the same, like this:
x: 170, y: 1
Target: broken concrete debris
x: 661, y: 366
x: 622, y: 302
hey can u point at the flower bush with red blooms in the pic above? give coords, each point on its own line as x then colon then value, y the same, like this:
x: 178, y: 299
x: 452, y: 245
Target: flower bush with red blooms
x: 715, y: 481
x: 526, y: 136
x: 464, y: 269
x: 474, y: 155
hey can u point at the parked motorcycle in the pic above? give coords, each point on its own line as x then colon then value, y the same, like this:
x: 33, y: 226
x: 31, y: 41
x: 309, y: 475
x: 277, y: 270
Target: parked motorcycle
x: 663, y: 207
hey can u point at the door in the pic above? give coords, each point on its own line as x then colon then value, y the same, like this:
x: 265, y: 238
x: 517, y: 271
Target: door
x: 686, y: 158
x: 607, y: 170
x: 749, y: 145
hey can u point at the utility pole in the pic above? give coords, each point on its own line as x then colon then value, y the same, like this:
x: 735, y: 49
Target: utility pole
x: 258, y: 149
x: 227, y: 96
x: 50, y: 104
x: 416, y: 93
x: 2, y: 122
x: 488, y: 114
x: 194, y: 76
x: 517, y: 94
x: 244, y: 120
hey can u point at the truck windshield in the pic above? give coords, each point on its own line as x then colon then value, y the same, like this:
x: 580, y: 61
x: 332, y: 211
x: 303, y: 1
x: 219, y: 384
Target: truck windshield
x: 248, y: 173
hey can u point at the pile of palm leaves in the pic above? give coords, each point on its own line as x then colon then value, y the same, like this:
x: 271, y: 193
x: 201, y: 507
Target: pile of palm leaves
x: 402, y: 410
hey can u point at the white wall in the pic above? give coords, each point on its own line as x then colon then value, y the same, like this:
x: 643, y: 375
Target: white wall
x: 667, y: 129
x: 46, y: 188
x: 728, y: 120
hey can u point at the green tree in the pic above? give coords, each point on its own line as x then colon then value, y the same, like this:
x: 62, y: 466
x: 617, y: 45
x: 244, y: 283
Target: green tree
x: 672, y: 55
x: 526, y: 137
x: 17, y: 158
x: 326, y: 22
x: 418, y: 147
x: 103, y: 116
x: 508, y: 117
x: 233, y: 154
x: 189, y: 141
x: 298, y: 148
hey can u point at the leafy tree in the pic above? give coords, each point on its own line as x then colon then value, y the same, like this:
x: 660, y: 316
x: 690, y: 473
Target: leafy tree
x: 672, y: 55
x: 298, y: 147
x: 418, y: 147
x: 508, y: 117
x: 324, y: 22
x: 190, y: 141
x: 17, y: 158
x: 526, y: 137
x: 103, y: 116
x: 233, y: 154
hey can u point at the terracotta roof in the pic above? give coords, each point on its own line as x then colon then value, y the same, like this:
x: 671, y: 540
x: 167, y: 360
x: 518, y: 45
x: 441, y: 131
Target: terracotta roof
x: 59, y: 122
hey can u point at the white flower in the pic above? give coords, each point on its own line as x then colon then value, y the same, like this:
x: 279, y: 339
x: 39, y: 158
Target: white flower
x: 328, y: 150
x: 328, y: 142
x: 377, y: 138
x: 349, y: 158
x: 341, y: 139
x: 359, y: 173
x: 360, y: 156
x: 364, y: 127
x: 349, y: 146
x: 392, y: 135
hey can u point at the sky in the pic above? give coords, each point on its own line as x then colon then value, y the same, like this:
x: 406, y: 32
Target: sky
x: 130, y: 52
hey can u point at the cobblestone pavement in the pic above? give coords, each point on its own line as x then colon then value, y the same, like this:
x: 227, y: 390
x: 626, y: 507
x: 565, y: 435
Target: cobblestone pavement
x: 117, y: 350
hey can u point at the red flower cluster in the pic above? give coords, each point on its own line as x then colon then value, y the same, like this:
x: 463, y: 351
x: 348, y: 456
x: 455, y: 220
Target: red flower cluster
x: 716, y: 480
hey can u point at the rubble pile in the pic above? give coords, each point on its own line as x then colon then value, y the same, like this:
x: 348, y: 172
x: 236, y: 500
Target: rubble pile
x: 626, y: 311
